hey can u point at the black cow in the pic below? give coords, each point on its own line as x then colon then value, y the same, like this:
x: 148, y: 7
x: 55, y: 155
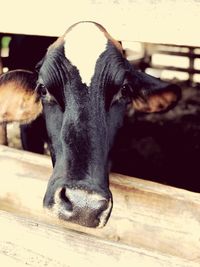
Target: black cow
x: 82, y: 86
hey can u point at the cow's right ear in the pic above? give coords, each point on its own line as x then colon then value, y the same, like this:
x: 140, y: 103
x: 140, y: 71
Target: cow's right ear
x: 18, y: 99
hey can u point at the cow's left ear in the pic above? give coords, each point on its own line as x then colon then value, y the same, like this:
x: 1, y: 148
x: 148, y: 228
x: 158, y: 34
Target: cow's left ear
x: 18, y: 99
x: 154, y: 95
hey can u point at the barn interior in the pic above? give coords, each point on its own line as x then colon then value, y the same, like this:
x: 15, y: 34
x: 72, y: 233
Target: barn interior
x: 164, y: 147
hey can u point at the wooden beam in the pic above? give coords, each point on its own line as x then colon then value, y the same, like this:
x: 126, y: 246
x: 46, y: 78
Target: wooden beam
x: 147, y: 21
x: 161, y: 67
x: 145, y: 214
x: 3, y: 134
x: 180, y: 54
x: 29, y: 242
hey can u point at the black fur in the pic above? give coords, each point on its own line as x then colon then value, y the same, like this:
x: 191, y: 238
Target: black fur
x: 82, y: 122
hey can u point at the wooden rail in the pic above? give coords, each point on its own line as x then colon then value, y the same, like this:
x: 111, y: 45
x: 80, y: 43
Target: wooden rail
x: 29, y: 242
x: 151, y: 224
x: 145, y: 21
x: 165, y: 49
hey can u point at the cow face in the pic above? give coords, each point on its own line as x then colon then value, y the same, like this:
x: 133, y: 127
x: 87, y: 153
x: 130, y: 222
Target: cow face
x: 83, y: 87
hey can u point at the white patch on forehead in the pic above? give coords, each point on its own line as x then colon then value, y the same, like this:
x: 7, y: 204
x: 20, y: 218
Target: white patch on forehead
x: 84, y: 43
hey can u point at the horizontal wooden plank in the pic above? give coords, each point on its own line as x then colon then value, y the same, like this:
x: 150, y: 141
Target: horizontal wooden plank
x: 29, y: 242
x: 180, y: 54
x: 148, y: 21
x: 145, y: 214
x: 188, y: 70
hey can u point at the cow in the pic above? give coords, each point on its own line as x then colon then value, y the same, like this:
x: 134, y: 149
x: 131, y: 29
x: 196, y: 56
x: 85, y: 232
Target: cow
x: 83, y: 87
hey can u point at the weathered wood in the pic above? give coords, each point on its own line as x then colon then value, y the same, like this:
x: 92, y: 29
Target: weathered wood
x: 187, y: 52
x: 3, y: 134
x: 29, y: 242
x: 145, y: 214
x: 147, y: 21
x: 181, y: 54
x: 188, y: 70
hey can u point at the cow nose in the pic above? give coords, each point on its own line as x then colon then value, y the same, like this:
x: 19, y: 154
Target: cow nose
x: 80, y: 206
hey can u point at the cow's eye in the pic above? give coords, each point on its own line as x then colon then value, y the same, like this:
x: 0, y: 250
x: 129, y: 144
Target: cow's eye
x: 42, y: 90
x: 126, y: 90
x: 124, y: 94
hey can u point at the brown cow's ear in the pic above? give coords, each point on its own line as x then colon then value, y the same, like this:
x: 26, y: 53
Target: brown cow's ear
x: 158, y: 101
x: 18, y: 99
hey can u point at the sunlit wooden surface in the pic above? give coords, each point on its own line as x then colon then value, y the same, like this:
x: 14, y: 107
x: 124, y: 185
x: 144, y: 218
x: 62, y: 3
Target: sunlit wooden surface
x: 147, y: 217
x: 172, y: 22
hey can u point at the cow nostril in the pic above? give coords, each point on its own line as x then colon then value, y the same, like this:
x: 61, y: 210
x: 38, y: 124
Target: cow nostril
x: 65, y: 200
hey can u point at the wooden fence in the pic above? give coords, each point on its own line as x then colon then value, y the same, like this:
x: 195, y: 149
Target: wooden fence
x: 151, y: 224
x: 190, y: 54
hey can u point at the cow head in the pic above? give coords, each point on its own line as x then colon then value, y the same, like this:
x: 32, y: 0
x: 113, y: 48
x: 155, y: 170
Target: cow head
x: 82, y: 86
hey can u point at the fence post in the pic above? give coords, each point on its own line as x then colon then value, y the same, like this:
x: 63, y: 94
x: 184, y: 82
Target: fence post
x: 3, y: 128
x: 191, y: 65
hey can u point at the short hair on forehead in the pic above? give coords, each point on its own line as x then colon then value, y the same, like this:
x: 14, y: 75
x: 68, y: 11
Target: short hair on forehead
x: 111, y: 67
x: 54, y: 72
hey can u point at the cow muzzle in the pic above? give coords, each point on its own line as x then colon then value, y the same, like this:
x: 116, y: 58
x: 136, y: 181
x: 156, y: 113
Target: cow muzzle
x: 80, y: 206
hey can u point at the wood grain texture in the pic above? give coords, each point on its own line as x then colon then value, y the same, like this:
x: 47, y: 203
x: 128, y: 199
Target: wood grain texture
x: 3, y: 134
x: 29, y: 242
x: 147, y: 215
x: 149, y: 21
